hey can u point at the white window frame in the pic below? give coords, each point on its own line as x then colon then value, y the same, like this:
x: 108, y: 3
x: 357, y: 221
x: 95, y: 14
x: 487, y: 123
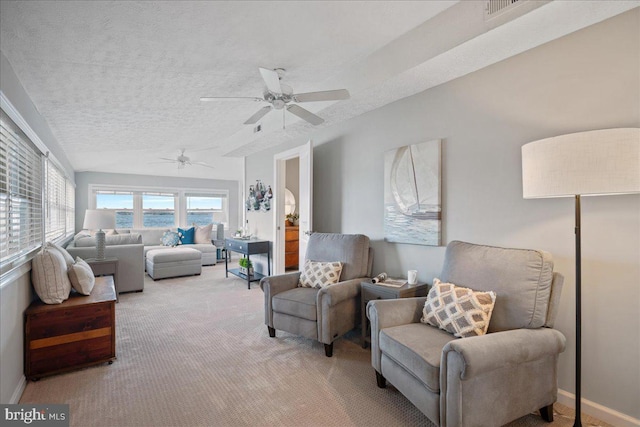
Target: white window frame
x: 180, y: 200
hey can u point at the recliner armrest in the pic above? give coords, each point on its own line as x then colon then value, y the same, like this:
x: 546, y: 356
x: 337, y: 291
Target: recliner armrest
x: 388, y: 313
x: 517, y: 367
x: 493, y: 351
x: 334, y: 294
x: 275, y: 284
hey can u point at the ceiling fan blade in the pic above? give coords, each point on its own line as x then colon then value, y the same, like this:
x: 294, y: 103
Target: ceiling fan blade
x: 156, y: 163
x: 257, y: 116
x: 305, y: 114
x: 327, y: 95
x: 272, y: 80
x: 202, y: 164
x: 167, y: 159
x: 231, y: 98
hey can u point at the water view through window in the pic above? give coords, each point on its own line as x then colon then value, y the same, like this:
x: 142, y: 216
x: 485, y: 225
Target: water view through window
x: 159, y: 209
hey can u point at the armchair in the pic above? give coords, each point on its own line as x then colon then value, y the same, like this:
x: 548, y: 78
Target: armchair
x: 486, y: 380
x: 320, y: 314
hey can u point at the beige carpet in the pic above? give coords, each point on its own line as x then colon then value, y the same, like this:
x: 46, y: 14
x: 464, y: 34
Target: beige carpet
x: 195, y: 352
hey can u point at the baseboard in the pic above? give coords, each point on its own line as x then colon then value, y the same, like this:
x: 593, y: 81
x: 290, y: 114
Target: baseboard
x: 598, y: 411
x: 17, y: 394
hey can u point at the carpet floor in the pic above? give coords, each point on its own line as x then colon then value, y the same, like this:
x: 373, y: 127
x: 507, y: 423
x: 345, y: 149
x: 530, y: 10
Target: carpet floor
x: 195, y: 351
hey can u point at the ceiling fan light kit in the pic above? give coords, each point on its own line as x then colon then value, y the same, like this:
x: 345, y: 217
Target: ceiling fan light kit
x: 281, y: 97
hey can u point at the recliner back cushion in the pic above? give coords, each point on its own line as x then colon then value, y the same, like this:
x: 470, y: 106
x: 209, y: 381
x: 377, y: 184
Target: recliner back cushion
x: 521, y: 279
x: 350, y: 249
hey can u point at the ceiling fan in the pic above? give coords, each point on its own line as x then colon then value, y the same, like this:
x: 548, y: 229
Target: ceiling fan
x: 281, y: 97
x: 182, y: 161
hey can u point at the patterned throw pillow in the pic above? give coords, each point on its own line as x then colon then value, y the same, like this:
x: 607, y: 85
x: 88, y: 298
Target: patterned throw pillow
x: 170, y: 238
x: 187, y: 236
x: 81, y: 277
x: 320, y: 274
x: 462, y: 312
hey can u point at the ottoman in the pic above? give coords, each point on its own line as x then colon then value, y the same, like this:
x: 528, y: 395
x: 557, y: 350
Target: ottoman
x: 163, y: 263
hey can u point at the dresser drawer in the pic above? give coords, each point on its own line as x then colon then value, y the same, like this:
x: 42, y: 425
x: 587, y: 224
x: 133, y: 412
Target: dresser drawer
x: 237, y: 246
x: 69, y: 321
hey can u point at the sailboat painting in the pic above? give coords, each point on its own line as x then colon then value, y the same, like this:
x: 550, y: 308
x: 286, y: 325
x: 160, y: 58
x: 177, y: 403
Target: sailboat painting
x: 412, y: 194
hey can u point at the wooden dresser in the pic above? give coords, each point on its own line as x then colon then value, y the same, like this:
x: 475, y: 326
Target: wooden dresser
x: 291, y: 234
x: 77, y: 333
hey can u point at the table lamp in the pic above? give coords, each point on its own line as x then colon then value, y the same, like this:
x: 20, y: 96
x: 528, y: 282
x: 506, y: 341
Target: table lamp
x: 97, y: 219
x: 593, y: 163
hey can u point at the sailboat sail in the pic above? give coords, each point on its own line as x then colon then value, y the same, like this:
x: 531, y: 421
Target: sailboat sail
x: 415, y: 188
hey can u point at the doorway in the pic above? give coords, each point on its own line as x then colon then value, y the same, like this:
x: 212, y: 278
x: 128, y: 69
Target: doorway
x: 293, y: 195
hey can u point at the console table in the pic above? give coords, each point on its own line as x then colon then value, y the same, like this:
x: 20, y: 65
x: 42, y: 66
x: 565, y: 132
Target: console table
x: 247, y: 248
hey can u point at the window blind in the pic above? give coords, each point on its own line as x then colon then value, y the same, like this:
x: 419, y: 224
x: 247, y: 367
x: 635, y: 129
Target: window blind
x: 21, y: 173
x: 60, y: 203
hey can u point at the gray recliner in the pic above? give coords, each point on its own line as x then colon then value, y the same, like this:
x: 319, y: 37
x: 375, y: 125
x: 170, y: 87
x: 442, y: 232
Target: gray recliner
x: 486, y: 380
x: 320, y: 314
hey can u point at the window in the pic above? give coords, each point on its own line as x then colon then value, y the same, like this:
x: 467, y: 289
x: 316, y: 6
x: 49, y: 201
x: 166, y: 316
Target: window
x: 147, y: 207
x: 121, y: 202
x: 203, y: 209
x: 60, y: 203
x: 20, y: 194
x: 158, y: 210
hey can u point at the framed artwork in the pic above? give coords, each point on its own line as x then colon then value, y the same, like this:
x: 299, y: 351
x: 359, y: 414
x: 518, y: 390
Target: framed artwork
x: 412, y: 194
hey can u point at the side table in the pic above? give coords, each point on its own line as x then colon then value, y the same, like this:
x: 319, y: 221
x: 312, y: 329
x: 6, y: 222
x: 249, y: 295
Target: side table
x: 246, y: 247
x: 105, y: 267
x: 371, y: 291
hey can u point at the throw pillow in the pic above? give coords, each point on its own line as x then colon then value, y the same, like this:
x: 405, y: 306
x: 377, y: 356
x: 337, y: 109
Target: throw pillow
x: 460, y: 311
x: 49, y: 276
x: 187, y: 236
x: 81, y: 277
x: 319, y: 274
x: 203, y: 234
x: 66, y: 255
x: 170, y: 238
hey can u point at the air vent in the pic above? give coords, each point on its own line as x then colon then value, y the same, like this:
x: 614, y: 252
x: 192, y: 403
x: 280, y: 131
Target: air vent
x: 496, y: 7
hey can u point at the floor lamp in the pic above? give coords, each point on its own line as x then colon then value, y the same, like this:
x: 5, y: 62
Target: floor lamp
x: 593, y: 163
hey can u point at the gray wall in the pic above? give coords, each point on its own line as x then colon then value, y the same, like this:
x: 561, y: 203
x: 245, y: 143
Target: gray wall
x: 83, y: 179
x: 15, y: 291
x: 587, y: 80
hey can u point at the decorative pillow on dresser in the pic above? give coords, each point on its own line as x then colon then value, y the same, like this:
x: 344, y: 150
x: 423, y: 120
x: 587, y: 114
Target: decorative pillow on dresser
x: 81, y: 277
x: 49, y: 276
x: 460, y: 311
x: 66, y: 255
x: 317, y: 274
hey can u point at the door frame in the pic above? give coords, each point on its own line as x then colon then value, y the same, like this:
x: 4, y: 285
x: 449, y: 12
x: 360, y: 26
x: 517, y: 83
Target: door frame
x: 279, y: 168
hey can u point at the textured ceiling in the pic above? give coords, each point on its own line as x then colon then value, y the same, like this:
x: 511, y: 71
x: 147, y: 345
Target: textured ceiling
x: 119, y: 82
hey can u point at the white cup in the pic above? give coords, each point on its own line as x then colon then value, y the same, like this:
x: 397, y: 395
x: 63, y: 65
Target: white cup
x: 412, y: 276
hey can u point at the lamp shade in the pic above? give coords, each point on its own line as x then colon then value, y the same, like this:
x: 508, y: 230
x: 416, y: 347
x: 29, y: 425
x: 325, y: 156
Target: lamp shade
x: 585, y: 163
x: 97, y: 219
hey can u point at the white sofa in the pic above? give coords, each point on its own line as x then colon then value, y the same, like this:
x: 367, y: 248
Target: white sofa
x: 130, y: 254
x: 152, y: 240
